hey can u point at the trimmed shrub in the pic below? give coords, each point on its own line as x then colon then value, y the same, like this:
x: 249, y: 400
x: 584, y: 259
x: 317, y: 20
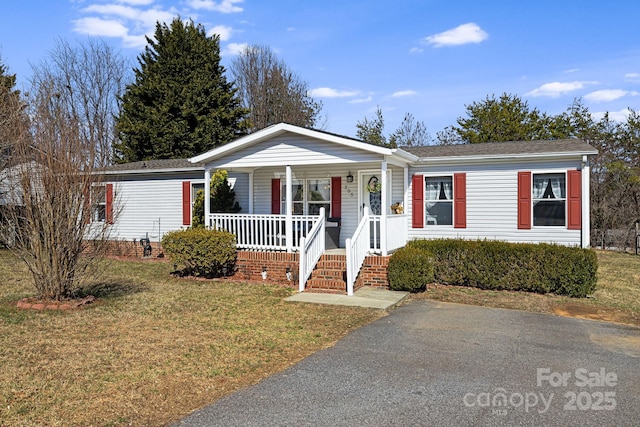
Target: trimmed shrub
x: 541, y: 268
x: 410, y: 270
x: 202, y: 252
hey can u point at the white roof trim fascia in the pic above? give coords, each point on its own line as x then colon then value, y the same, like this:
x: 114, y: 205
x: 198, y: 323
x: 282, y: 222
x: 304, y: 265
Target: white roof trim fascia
x: 484, y: 157
x: 279, y: 129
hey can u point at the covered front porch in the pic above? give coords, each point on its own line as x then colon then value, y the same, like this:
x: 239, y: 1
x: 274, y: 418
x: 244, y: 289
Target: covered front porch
x: 302, y: 191
x: 309, y: 236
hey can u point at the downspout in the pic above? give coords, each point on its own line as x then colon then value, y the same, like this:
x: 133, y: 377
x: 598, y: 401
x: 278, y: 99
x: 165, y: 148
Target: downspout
x: 586, y: 191
x: 251, y: 192
x: 207, y: 197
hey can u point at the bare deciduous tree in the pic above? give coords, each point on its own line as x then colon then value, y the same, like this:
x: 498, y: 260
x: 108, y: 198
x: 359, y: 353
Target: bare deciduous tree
x: 48, y: 206
x: 88, y: 79
x: 411, y: 132
x: 271, y: 91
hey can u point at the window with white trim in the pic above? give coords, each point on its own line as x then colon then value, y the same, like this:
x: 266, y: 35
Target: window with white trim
x: 549, y: 199
x: 438, y: 199
x: 98, y: 199
x: 308, y: 196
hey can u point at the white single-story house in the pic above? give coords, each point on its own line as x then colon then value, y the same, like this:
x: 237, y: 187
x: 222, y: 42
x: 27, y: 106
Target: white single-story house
x: 302, y: 191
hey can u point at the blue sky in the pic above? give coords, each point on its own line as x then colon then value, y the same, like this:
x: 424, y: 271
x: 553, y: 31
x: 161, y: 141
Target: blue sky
x: 429, y: 57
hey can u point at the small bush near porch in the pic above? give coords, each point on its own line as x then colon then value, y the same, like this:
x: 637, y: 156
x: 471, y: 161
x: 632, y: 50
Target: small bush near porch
x: 152, y: 348
x: 202, y: 252
x: 540, y: 268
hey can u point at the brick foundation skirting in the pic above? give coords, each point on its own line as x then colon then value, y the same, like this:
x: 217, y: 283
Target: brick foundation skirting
x: 249, y: 264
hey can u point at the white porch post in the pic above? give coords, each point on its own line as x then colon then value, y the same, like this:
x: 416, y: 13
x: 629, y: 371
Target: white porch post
x: 250, y: 192
x: 383, y: 210
x: 405, y: 190
x: 586, y: 217
x: 289, y: 218
x: 207, y: 197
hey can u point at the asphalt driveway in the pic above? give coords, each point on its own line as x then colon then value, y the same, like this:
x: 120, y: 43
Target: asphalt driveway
x: 430, y: 363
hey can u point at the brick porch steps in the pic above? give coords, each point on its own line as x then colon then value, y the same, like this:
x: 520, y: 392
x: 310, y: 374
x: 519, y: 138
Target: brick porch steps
x: 329, y: 276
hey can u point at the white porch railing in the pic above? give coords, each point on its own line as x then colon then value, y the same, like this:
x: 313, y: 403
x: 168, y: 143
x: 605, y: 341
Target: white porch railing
x: 396, y: 235
x: 265, y: 232
x: 357, y: 247
x: 311, y: 249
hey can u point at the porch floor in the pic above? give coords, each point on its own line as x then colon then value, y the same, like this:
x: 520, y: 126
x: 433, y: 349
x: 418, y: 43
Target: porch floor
x: 367, y: 297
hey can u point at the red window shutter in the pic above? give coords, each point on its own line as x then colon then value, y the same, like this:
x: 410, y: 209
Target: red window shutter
x: 109, y: 203
x: 524, y: 200
x: 336, y: 197
x: 275, y: 196
x: 574, y: 199
x: 460, y: 200
x: 186, y: 203
x: 417, y: 208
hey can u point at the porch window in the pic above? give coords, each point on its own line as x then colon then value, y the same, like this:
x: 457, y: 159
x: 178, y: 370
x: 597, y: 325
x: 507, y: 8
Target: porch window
x: 439, y: 200
x: 319, y: 196
x: 549, y: 199
x: 308, y: 196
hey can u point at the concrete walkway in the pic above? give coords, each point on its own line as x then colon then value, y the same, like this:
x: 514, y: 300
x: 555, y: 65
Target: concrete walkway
x: 364, y: 297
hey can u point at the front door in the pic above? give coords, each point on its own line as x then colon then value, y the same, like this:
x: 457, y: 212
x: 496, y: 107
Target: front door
x: 370, y: 196
x: 370, y: 191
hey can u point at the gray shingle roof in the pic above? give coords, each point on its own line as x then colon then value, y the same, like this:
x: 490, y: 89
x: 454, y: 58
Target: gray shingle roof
x: 155, y: 165
x: 503, y: 148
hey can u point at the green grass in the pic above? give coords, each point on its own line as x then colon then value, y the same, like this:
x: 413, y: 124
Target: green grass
x: 153, y: 348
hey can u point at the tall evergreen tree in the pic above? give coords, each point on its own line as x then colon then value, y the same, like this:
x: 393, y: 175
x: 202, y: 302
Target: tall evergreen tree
x: 13, y: 117
x: 180, y: 103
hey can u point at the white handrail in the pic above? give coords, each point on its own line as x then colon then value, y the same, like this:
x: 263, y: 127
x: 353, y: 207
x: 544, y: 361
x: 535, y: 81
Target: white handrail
x: 311, y: 249
x: 357, y: 247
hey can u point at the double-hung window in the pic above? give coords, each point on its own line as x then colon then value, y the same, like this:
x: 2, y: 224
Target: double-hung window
x: 308, y: 196
x: 549, y: 199
x: 98, y: 203
x: 439, y: 200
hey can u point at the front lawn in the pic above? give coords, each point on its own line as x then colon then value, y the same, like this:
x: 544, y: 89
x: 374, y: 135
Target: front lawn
x: 153, y: 348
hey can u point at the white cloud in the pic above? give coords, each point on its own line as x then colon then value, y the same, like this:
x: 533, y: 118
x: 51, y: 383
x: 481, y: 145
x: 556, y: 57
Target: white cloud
x: 361, y: 100
x: 233, y: 49
x: 126, y: 21
x: 222, y: 30
x: 402, y: 93
x: 224, y: 6
x: 415, y: 50
x: 100, y: 27
x: 572, y: 70
x: 555, y: 89
x: 616, y: 116
x: 327, y: 92
x: 463, y: 34
x: 608, y: 95
x: 136, y: 2
x: 632, y: 77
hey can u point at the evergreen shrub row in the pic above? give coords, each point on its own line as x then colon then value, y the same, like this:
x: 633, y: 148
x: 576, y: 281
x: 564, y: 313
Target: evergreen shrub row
x: 484, y: 264
x: 202, y: 252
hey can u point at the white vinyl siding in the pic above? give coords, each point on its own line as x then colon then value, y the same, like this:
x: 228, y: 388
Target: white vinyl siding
x: 492, y: 203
